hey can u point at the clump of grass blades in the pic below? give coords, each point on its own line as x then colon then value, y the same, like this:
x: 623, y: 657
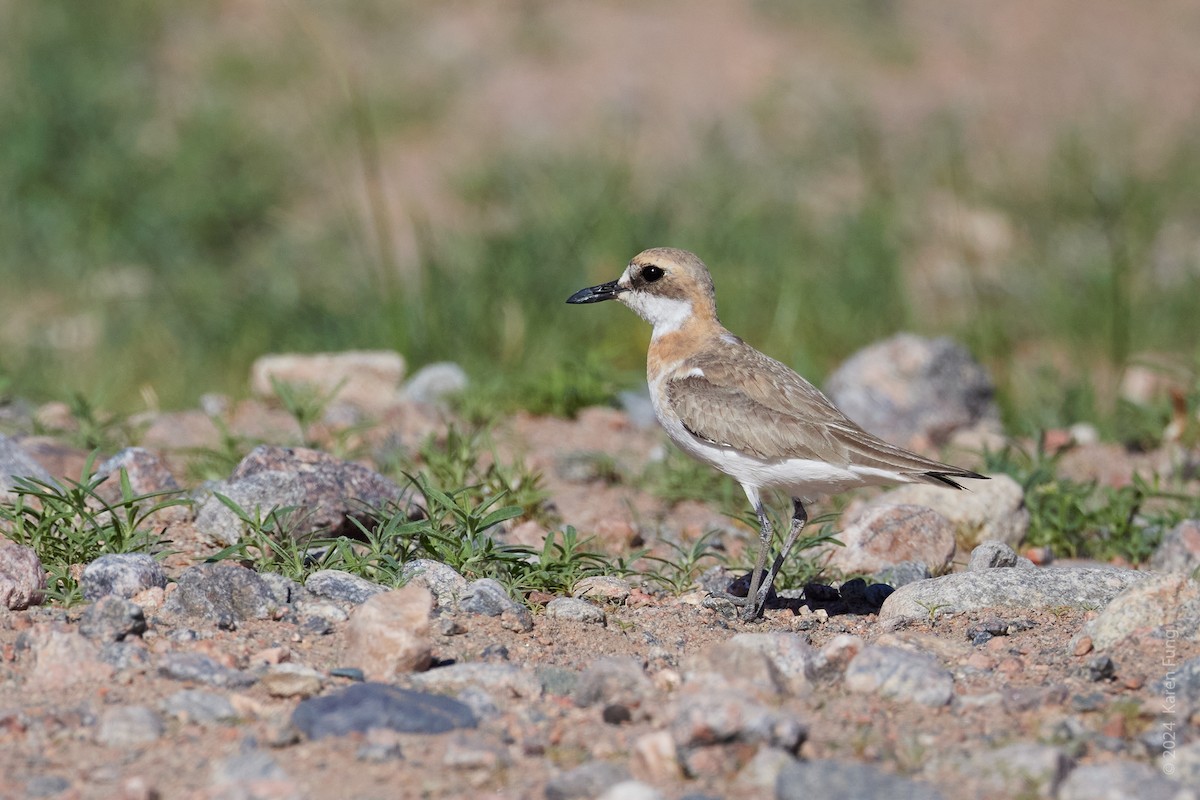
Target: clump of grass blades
x: 70, y: 524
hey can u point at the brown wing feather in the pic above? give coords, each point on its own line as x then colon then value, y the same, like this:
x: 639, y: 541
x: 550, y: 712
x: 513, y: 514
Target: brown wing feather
x: 756, y: 404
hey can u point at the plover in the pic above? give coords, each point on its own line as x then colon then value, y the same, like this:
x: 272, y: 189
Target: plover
x: 750, y: 416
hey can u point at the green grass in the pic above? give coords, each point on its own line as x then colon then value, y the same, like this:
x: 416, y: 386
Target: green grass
x: 157, y: 232
x: 1087, y: 520
x: 70, y: 523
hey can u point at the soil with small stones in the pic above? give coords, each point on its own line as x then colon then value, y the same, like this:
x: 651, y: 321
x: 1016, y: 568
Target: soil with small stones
x: 1031, y: 685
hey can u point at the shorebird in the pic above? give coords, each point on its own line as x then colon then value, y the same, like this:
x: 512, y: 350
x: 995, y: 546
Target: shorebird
x: 750, y: 416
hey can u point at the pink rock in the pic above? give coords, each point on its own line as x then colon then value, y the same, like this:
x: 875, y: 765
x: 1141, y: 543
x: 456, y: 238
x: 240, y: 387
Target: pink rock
x: 22, y: 579
x: 890, y: 534
x: 388, y: 636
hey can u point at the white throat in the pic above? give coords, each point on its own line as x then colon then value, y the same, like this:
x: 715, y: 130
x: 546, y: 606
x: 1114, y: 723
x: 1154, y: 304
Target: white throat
x: 666, y: 314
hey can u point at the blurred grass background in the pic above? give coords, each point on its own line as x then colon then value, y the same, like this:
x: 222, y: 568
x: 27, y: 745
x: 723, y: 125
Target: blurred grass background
x: 186, y: 186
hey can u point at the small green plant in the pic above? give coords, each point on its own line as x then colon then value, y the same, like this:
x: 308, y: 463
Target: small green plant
x: 70, y: 524
x: 94, y: 429
x: 215, y: 463
x: 267, y: 543
x: 678, y: 573
x: 677, y: 478
x: 1084, y: 519
x: 305, y: 403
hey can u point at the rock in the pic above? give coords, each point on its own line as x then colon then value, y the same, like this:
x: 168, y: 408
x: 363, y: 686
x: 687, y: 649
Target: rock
x: 327, y: 490
x: 147, y: 474
x: 501, y: 680
x: 761, y: 773
x: 46, y: 786
x: 1120, y: 780
x: 575, y: 610
x: 607, y: 588
x: 358, y: 708
x: 992, y: 554
x: 1024, y: 769
x: 706, y: 719
x: 1179, y: 550
x: 747, y: 670
x: 804, y: 780
x: 886, y: 535
x: 613, y: 680
x: 365, y: 379
x: 1157, y: 602
x: 632, y: 790
x: 282, y: 588
x: 435, y: 383
x: 586, y: 781
x: 111, y: 619
x: 291, y: 680
x: 487, y: 597
x: 199, y: 668
x: 1180, y: 687
x: 448, y: 587
x: 128, y: 726
x: 656, y: 758
x: 899, y: 675
x: 836, y: 655
x: 125, y: 654
x: 15, y: 462
x: 336, y: 584
x: 902, y: 574
x: 22, y: 577
x: 388, y: 635
x: 912, y: 390
x: 790, y: 653
x: 62, y: 659
x: 984, y: 510
x: 1049, y: 587
x: 252, y: 774
x: 221, y: 593
x: 199, y: 707
x: 121, y: 574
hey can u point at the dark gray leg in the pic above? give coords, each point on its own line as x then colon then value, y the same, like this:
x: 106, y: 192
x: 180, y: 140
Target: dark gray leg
x: 799, y: 518
x: 765, y: 534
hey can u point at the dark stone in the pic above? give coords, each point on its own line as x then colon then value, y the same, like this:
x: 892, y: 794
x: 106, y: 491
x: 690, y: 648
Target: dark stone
x: 200, y: 668
x: 804, y: 780
x: 335, y: 584
x: 111, y: 619
x: 219, y: 591
x: 363, y: 706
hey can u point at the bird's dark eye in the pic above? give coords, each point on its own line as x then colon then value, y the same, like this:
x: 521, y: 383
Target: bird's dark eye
x: 651, y: 274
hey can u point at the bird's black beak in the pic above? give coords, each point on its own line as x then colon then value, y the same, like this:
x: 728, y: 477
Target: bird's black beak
x: 595, y: 294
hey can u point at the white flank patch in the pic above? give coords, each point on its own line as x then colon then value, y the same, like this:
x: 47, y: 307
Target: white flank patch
x: 666, y: 314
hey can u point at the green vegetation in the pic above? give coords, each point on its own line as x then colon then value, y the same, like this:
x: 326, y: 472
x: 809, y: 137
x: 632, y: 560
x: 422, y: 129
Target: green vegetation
x: 1086, y: 520
x: 70, y: 524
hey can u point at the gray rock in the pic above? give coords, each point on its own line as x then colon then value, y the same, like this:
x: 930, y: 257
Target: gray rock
x: 200, y: 707
x: 1051, y: 587
x: 1120, y: 780
x: 1179, y: 550
x: 984, y: 510
x: 111, y: 619
x: 557, y: 680
x: 282, y: 588
x: 586, y: 781
x: 246, y: 767
x: 16, y: 463
x: 910, y: 388
x: 22, y: 578
x: 1180, y: 686
x: 1158, y: 602
x: 487, y: 597
x: 221, y: 593
x: 122, y: 574
x: 1024, y: 769
x: 603, y: 588
x: 328, y: 491
x: 505, y: 680
x: 900, y: 675
x: 612, y: 679
x: 435, y: 383
x: 992, y: 554
x: 442, y: 580
x: 571, y: 608
x: 338, y: 585
x: 199, y: 668
x: 125, y: 726
x: 363, y: 706
x: 125, y: 654
x: 46, y: 786
x: 902, y: 574
x: 886, y: 535
x: 804, y: 780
